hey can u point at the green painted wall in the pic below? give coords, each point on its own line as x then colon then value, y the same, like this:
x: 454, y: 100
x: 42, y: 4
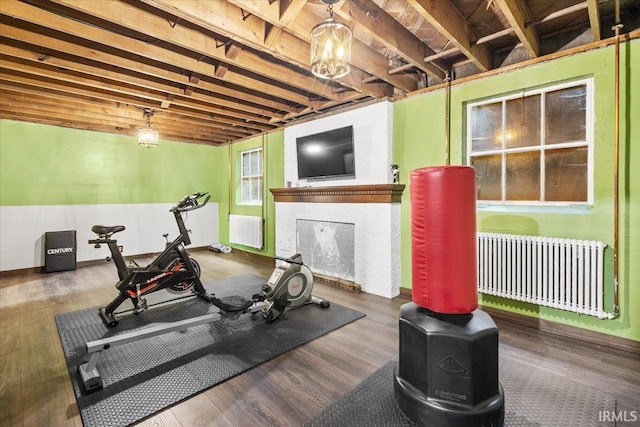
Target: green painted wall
x: 419, y: 140
x: 49, y: 165
x: 273, y: 161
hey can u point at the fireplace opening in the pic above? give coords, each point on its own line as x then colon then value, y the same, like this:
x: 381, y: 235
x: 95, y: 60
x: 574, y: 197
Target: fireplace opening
x: 327, y: 247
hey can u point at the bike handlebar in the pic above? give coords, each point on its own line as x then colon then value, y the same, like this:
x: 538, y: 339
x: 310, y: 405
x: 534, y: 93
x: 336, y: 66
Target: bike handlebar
x: 189, y: 203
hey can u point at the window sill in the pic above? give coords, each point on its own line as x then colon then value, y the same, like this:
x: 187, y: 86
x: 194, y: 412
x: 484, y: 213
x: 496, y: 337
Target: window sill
x: 573, y: 209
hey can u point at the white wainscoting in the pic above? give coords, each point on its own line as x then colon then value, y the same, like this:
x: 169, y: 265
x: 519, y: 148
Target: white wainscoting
x: 22, y: 229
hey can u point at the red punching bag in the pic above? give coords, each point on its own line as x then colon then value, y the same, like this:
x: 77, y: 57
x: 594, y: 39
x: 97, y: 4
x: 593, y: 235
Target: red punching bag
x: 443, y: 239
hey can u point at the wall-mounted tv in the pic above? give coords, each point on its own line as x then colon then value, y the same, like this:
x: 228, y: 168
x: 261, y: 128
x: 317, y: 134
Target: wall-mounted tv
x: 326, y: 155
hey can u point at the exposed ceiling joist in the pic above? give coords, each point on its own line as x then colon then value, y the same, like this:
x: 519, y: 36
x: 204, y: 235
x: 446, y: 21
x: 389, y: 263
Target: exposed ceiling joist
x: 220, y: 71
x: 518, y: 15
x: 448, y: 20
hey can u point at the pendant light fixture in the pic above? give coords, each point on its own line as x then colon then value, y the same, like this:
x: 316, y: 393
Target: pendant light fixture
x: 148, y: 137
x: 330, y: 47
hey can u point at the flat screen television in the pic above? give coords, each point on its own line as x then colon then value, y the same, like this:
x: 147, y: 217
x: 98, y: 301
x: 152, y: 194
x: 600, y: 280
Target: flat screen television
x: 326, y: 155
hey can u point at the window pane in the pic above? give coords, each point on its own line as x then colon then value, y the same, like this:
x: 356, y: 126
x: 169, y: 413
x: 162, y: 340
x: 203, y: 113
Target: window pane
x: 523, y: 122
x: 523, y: 176
x: 565, y: 115
x: 488, y: 177
x: 566, y: 175
x: 245, y: 164
x: 255, y: 163
x: 246, y: 190
x: 254, y: 189
x: 486, y: 127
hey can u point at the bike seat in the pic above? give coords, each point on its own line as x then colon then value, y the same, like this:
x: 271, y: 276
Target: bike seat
x: 106, y: 229
x: 232, y: 303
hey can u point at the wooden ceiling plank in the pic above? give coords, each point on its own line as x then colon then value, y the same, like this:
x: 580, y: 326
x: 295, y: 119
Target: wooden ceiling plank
x: 289, y: 10
x: 448, y: 21
x: 271, y: 36
x: 517, y: 14
x: 232, y: 50
x: 59, y: 112
x: 91, y: 91
x: 129, y: 16
x: 81, y: 102
x: 594, y: 19
x: 127, y: 88
x: 362, y: 56
x: 141, y: 81
x: 35, y: 15
x: 48, y: 43
x: 356, y: 98
x: 386, y: 30
x: 85, y: 120
x: 224, y: 17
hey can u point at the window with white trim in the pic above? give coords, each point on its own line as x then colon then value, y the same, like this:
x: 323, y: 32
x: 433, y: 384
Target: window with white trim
x: 535, y: 147
x: 251, y: 176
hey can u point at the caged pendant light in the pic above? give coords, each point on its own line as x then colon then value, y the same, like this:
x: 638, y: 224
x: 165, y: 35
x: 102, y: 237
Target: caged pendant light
x: 330, y: 47
x: 148, y: 137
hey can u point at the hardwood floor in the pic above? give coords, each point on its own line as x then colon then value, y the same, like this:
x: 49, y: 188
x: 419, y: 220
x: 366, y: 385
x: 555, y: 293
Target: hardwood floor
x: 35, y: 389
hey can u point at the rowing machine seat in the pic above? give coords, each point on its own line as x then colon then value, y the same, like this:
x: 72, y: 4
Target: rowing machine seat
x: 232, y: 304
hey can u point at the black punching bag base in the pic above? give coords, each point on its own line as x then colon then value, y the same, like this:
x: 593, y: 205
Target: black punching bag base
x: 447, y: 370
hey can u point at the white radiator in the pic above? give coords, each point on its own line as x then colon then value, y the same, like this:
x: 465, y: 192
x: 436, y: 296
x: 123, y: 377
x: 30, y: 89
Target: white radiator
x: 245, y: 230
x: 560, y: 273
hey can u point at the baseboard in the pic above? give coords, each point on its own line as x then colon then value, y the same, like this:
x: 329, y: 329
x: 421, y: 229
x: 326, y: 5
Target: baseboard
x: 250, y: 256
x: 567, y: 331
x: 347, y: 285
x: 80, y: 264
x: 555, y: 328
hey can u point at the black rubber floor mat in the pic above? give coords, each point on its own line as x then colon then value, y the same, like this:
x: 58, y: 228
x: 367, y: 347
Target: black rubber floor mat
x: 151, y: 374
x: 532, y: 398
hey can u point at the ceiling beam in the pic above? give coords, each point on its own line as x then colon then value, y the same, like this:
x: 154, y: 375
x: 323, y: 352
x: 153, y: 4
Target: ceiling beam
x: 288, y: 10
x: 137, y: 50
x: 373, y: 20
x: 106, y: 82
x: 517, y: 14
x: 205, y: 45
x: 233, y: 21
x: 113, y: 72
x: 123, y: 112
x: 122, y: 117
x: 594, y: 19
x: 19, y: 106
x: 363, y: 57
x: 82, y: 86
x: 448, y: 20
x: 182, y: 115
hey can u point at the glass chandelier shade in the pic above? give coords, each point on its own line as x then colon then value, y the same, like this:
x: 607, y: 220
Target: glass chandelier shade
x: 330, y: 49
x: 148, y: 137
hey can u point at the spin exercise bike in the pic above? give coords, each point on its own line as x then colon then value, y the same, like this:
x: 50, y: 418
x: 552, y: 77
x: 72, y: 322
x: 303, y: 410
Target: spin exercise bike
x: 173, y: 269
x: 289, y: 286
